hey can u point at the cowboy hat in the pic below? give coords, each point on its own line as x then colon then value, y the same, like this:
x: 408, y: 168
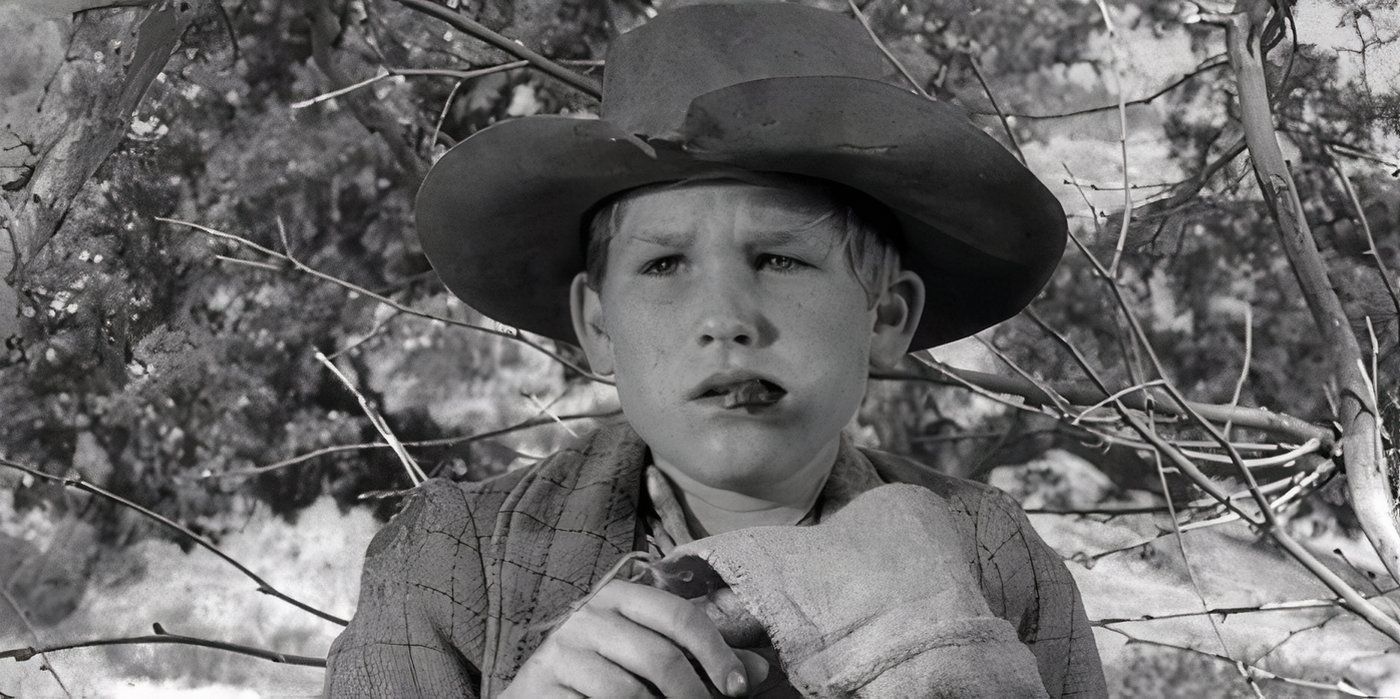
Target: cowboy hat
x: 768, y: 87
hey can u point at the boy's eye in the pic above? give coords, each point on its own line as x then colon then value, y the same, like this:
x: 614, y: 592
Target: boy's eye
x: 662, y: 265
x: 780, y: 263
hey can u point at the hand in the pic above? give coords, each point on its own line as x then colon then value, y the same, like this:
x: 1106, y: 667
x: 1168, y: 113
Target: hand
x: 632, y: 640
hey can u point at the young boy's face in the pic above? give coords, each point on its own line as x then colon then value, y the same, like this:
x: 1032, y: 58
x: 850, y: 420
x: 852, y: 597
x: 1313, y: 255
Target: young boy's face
x: 714, y: 284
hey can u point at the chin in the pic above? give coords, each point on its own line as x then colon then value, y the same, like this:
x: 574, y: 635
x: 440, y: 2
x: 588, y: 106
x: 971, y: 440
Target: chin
x: 746, y: 462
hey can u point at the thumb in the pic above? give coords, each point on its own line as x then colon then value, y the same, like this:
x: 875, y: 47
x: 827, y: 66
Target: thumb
x: 755, y: 667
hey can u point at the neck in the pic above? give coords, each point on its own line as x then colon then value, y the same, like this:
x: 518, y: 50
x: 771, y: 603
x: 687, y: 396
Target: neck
x: 711, y: 510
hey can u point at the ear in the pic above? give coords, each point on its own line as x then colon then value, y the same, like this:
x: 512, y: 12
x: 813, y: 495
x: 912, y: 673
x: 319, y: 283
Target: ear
x: 897, y: 314
x: 587, y: 312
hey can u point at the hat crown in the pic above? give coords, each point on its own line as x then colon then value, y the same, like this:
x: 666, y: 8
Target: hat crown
x: 654, y: 71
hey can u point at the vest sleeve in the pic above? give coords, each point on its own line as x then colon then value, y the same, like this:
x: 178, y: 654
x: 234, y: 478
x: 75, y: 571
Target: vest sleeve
x: 421, y: 595
x: 1026, y: 582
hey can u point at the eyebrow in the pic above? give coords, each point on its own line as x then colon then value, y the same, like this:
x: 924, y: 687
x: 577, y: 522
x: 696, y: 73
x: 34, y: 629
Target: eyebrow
x: 771, y: 237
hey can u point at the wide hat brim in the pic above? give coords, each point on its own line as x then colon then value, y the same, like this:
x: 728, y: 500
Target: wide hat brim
x: 500, y: 215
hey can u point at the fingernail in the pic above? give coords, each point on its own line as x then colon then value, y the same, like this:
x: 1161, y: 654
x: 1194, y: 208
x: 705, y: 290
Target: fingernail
x: 738, y: 685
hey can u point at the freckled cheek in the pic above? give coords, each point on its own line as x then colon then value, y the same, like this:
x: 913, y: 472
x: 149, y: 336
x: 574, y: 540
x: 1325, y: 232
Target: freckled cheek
x: 642, y: 349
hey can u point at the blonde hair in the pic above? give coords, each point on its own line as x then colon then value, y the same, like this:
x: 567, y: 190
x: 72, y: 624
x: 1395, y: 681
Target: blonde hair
x: 866, y: 237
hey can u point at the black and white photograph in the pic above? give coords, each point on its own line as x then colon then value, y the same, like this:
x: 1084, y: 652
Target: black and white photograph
x: 517, y: 349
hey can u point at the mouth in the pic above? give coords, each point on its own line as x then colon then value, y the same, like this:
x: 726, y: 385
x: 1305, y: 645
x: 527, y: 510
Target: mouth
x: 740, y: 390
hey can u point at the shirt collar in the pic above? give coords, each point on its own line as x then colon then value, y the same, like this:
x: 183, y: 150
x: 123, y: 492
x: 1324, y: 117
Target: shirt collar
x: 851, y: 475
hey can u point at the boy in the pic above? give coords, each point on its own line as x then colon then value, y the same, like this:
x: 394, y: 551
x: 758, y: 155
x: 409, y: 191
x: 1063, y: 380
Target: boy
x: 756, y: 220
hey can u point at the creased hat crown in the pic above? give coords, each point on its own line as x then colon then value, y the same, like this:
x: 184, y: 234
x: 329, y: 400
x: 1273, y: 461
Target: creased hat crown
x: 655, y: 71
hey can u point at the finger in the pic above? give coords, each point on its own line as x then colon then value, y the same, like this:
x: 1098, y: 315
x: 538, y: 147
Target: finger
x: 755, y: 667
x: 685, y: 624
x: 592, y: 675
x: 647, y: 655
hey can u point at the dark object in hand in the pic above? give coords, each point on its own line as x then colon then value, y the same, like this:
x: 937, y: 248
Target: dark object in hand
x: 693, y: 578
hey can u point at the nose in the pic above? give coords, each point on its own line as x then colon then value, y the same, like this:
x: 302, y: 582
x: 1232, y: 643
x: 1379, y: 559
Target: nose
x: 726, y: 330
x: 729, y: 316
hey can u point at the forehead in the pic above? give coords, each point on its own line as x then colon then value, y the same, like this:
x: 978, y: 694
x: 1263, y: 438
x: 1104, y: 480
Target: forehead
x: 740, y: 208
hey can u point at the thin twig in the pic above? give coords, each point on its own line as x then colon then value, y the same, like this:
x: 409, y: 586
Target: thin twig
x: 373, y: 332
x: 34, y: 633
x: 296, y: 265
x: 544, y: 410
x: 327, y: 96
x: 1001, y: 116
x: 445, y: 441
x: 898, y: 65
x: 1117, y: 53
x: 989, y: 385
x: 415, y: 473
x: 473, y: 28
x: 1130, y: 356
x: 263, y: 586
x: 1116, y: 395
x: 1217, y: 62
x: 1297, y: 632
x: 392, y: 72
x: 1284, y: 606
x: 1253, y: 671
x: 1371, y: 248
x: 446, y: 107
x: 1244, y: 368
x: 251, y: 263
x: 1060, y: 403
x: 162, y: 636
x: 1181, y: 547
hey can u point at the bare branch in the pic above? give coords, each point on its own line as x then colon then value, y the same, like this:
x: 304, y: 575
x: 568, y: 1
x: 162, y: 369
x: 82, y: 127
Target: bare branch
x: 1353, y: 599
x: 1284, y: 606
x: 394, y: 72
x: 263, y: 586
x: 473, y: 28
x: 1244, y: 367
x: 162, y: 636
x: 855, y: 10
x: 445, y: 441
x: 33, y: 633
x: 1371, y: 248
x: 1080, y: 394
x: 408, y: 310
x: 1368, y: 478
x: 1127, y: 213
x: 415, y: 473
x: 1252, y: 671
x: 1211, y: 64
